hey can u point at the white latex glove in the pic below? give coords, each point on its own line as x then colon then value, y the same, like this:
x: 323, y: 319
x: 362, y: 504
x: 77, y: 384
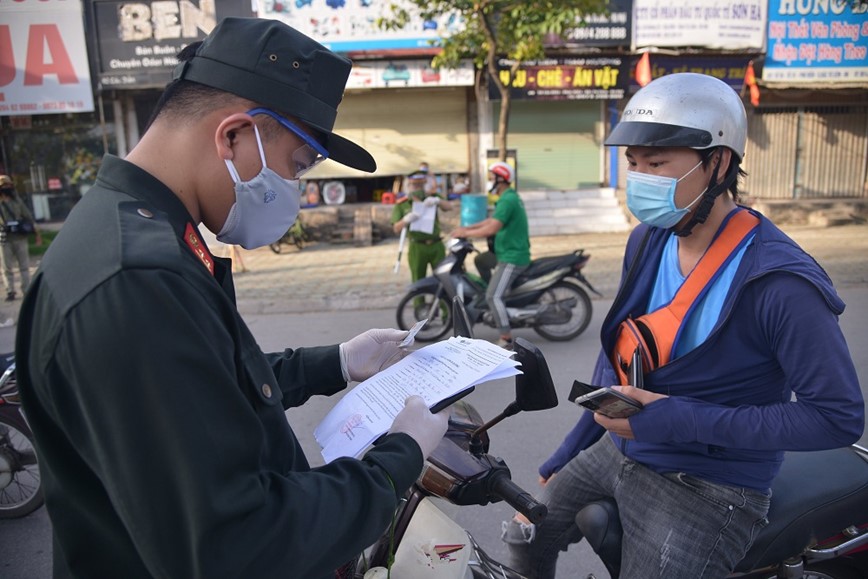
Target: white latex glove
x: 370, y: 352
x: 431, y: 201
x: 411, y: 217
x: 417, y: 421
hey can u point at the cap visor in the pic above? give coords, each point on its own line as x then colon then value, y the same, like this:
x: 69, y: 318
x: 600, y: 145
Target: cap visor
x: 657, y: 135
x: 350, y: 154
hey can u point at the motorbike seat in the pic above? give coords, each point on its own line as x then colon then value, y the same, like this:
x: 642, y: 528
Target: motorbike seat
x: 815, y: 495
x: 544, y: 265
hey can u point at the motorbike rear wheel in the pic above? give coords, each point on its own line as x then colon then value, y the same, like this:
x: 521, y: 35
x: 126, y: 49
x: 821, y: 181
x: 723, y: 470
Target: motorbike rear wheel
x: 20, y: 481
x: 580, y: 313
x: 426, y: 303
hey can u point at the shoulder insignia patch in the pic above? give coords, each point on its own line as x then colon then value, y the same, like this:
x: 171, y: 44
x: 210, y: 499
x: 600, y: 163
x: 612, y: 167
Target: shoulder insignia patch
x: 198, y: 247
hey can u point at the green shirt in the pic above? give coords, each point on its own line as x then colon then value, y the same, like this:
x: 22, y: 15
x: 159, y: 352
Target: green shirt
x: 512, y: 242
x: 405, y: 206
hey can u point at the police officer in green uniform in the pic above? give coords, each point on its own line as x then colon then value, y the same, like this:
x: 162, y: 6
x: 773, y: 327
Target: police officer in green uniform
x: 509, y: 227
x: 425, y: 248
x: 159, y: 422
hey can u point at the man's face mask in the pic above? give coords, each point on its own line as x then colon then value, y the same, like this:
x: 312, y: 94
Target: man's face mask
x: 651, y: 198
x: 266, y: 206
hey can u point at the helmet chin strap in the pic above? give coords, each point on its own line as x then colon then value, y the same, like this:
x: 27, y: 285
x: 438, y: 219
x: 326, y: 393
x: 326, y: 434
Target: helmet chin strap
x: 707, y: 202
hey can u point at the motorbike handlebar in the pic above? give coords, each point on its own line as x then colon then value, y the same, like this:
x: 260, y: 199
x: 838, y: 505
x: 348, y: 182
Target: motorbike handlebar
x: 518, y: 498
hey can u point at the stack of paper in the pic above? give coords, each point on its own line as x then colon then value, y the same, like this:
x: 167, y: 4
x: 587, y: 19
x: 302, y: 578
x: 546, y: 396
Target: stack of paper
x: 435, y: 373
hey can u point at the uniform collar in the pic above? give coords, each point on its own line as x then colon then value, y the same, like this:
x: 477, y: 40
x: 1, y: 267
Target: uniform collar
x: 120, y: 175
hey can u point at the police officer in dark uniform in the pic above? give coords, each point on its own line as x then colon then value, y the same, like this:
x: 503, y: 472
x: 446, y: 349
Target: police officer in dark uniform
x: 159, y: 423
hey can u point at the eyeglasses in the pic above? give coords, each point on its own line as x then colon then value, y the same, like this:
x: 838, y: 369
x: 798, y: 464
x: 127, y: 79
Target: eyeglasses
x: 307, y: 156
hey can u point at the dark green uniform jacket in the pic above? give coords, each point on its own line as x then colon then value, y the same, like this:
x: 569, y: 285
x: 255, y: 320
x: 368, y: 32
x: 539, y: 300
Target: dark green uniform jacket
x: 159, y: 422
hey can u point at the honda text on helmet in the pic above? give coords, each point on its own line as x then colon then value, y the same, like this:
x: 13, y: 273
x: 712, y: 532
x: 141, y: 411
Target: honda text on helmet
x: 681, y: 110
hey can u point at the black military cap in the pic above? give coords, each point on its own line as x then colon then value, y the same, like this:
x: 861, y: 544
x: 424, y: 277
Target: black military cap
x: 275, y: 65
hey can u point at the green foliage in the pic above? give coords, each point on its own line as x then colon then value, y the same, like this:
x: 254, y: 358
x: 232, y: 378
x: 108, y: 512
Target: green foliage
x: 495, y: 29
x: 83, y: 166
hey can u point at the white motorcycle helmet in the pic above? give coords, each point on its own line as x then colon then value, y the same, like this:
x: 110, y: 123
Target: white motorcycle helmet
x: 684, y: 110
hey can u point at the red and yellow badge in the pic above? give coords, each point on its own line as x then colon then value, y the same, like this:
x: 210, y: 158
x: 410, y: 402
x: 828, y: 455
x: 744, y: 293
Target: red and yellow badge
x: 198, y: 247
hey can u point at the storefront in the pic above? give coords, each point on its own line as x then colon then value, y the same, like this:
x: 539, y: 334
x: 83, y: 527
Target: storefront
x: 556, y: 119
x: 51, y: 132
x: 403, y: 112
x: 808, y: 125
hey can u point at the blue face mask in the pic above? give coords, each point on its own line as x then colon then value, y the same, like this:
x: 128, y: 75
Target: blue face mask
x: 651, y: 198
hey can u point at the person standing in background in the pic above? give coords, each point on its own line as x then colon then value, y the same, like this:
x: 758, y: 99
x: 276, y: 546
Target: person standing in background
x: 17, y: 224
x: 426, y: 248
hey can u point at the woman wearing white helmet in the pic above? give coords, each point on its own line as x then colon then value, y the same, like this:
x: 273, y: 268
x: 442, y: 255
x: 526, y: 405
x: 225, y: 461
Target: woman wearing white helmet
x: 729, y: 319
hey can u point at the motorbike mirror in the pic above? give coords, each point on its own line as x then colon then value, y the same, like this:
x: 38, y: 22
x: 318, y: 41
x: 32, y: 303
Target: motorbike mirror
x: 461, y: 325
x: 534, y: 388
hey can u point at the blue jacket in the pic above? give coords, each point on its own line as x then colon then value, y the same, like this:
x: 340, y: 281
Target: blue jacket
x: 731, y: 412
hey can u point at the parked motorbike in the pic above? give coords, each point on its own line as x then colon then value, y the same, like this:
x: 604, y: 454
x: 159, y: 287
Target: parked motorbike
x: 422, y: 542
x: 20, y: 482
x: 818, y: 521
x: 295, y: 235
x: 548, y: 296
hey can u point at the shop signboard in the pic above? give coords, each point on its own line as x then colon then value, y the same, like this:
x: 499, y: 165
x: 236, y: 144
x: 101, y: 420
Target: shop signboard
x: 592, y: 78
x: 352, y: 26
x: 408, y: 73
x: 817, y: 42
x: 730, y: 68
x: 722, y: 24
x: 43, y: 58
x: 137, y: 42
x: 609, y: 29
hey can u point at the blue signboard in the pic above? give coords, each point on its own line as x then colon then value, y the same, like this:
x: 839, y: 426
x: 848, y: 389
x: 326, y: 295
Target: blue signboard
x: 817, y: 41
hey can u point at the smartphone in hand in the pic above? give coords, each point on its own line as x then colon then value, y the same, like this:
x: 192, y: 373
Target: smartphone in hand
x: 609, y: 402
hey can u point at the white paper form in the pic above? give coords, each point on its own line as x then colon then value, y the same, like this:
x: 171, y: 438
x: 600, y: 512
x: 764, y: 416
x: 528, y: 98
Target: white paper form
x: 435, y: 373
x: 425, y: 223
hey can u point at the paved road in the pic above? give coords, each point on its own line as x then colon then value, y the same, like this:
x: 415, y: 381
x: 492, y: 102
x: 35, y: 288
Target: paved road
x: 325, y: 293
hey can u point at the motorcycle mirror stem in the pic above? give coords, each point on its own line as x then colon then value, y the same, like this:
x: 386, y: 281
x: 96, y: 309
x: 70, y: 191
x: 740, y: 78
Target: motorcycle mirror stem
x: 534, y: 389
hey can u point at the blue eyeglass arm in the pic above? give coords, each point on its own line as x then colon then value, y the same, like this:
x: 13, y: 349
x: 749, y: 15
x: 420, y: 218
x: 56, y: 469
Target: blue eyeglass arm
x: 292, y: 127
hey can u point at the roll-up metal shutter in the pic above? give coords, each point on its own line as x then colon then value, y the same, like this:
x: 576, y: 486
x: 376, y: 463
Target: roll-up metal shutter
x: 401, y: 127
x: 807, y: 152
x: 555, y: 143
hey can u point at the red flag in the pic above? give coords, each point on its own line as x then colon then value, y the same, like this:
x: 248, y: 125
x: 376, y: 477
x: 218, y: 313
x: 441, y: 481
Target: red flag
x: 643, y: 70
x: 750, y: 82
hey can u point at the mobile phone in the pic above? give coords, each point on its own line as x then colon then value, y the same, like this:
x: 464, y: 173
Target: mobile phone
x: 637, y: 376
x: 580, y: 389
x: 609, y: 403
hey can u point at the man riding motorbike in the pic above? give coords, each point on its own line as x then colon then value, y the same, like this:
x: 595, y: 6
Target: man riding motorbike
x: 509, y: 227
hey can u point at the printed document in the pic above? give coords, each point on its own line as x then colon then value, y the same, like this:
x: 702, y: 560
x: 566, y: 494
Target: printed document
x: 425, y: 223
x: 434, y: 372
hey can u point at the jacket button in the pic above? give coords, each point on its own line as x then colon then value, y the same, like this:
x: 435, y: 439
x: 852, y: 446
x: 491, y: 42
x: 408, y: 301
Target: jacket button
x: 144, y: 212
x: 266, y: 390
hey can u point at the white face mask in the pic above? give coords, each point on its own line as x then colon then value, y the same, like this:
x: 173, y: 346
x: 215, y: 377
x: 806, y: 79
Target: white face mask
x: 265, y: 207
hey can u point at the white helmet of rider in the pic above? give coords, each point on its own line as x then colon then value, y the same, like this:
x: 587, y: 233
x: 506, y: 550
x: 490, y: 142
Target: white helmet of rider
x: 502, y: 170
x: 684, y: 110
